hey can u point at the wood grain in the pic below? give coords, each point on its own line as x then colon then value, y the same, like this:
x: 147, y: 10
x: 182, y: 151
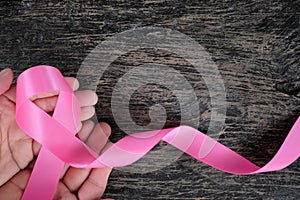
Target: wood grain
x: 255, y: 44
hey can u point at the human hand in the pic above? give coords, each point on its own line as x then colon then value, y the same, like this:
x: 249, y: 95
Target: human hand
x: 18, y: 151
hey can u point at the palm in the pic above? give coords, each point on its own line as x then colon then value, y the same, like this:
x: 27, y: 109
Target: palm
x: 18, y: 151
x: 16, y: 147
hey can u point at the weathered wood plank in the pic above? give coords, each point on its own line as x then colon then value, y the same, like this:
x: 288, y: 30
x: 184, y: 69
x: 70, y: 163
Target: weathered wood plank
x: 255, y: 45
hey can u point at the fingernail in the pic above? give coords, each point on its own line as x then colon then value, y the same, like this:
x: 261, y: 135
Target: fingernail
x: 75, y: 84
x: 79, y: 126
x: 95, y: 98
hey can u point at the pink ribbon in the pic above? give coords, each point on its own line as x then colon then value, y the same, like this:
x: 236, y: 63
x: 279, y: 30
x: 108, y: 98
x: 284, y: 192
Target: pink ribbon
x: 60, y: 145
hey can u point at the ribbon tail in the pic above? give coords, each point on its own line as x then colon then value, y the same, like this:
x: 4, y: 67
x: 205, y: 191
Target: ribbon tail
x: 47, y: 168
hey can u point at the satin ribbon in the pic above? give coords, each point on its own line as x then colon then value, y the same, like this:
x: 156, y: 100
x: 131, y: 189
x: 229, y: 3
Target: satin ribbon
x: 56, y: 134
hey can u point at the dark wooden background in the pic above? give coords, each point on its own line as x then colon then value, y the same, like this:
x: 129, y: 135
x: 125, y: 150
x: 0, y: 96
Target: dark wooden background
x: 255, y: 44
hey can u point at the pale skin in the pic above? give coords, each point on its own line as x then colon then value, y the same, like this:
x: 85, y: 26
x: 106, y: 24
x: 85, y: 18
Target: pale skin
x: 18, y: 151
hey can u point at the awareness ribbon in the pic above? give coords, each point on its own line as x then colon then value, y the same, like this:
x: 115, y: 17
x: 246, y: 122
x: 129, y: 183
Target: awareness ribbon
x: 56, y: 134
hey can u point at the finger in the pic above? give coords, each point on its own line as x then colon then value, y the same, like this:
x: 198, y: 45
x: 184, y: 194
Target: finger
x: 36, y: 147
x: 75, y: 177
x: 81, y: 129
x: 106, y: 147
x: 11, y: 93
x: 73, y: 83
x: 64, y: 171
x: 79, y: 126
x: 14, y: 188
x: 46, y: 104
x: 87, y: 113
x: 63, y: 192
x: 84, y: 129
x: 94, y: 186
x: 83, y: 134
x: 6, y: 78
x: 99, y: 136
x: 86, y: 97
x: 44, y: 95
x: 87, y: 128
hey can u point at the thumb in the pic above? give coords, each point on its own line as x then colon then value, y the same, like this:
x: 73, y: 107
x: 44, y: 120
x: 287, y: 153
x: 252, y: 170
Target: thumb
x: 6, y: 78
